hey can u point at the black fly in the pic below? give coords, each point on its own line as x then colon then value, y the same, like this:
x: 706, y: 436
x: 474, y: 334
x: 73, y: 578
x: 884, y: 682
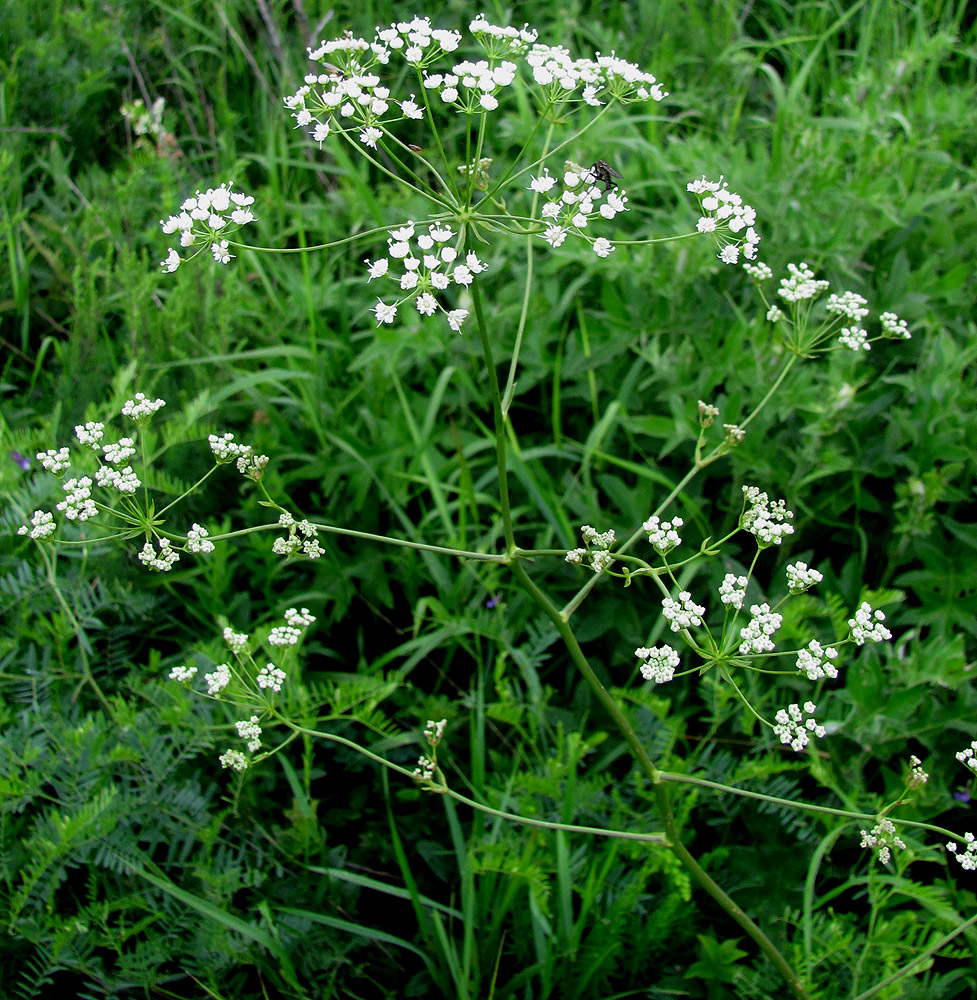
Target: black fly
x: 604, y: 174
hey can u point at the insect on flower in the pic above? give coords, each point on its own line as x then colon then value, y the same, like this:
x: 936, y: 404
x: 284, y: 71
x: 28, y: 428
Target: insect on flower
x: 604, y: 174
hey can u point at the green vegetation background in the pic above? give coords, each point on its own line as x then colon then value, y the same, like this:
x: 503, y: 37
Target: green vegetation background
x: 132, y: 866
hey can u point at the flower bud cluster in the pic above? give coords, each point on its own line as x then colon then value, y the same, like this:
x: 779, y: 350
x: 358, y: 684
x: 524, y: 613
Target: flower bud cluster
x: 794, y: 730
x: 968, y: 756
x: 597, y: 545
x: 894, y: 328
x: 801, y: 285
x: 917, y: 776
x: 968, y: 860
x: 658, y: 663
x: 732, y: 590
x: 301, y: 538
x: 250, y: 730
x: 882, y: 838
x: 682, y: 613
x: 205, y: 218
x: 164, y: 560
x: 663, y: 535
x: 867, y: 626
x: 218, y: 679
x: 815, y: 661
x: 801, y: 578
x: 271, y: 678
x: 726, y: 216
x: 755, y: 637
x: 764, y: 518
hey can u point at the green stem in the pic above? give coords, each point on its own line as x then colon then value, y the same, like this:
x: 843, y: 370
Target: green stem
x: 497, y: 419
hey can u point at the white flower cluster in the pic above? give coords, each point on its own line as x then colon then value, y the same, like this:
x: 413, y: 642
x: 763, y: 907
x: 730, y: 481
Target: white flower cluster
x: 471, y: 87
x: 284, y: 635
x: 732, y: 590
x: 197, y: 540
x: 250, y: 730
x: 917, y: 776
x: 204, y: 218
x: 774, y: 314
x: 233, y: 759
x: 425, y: 769
x: 793, y: 729
x: 248, y: 463
x: 867, y: 626
x: 801, y: 285
x: 40, y: 526
x: 236, y: 641
x: 123, y: 480
x: 432, y: 269
x: 658, y: 663
x: 726, y: 217
x: 117, y: 453
x: 682, y: 613
x: 78, y: 504
x: 854, y: 338
x: 707, y: 414
x: 968, y: 860
x: 894, y: 328
x: 434, y: 731
x: 301, y: 538
x: 299, y: 619
x: 967, y: 757
x: 140, y: 408
x: 815, y: 661
x: 271, y: 678
x: 218, y: 679
x: 765, y: 519
x: 663, y: 535
x: 756, y: 635
x: 851, y: 305
x: 499, y: 42
x: 183, y: 674
x: 576, y: 205
x: 882, y: 838
x: 55, y: 462
x: 90, y: 433
x: 164, y: 560
x: 758, y: 271
x: 801, y: 578
x: 597, y: 545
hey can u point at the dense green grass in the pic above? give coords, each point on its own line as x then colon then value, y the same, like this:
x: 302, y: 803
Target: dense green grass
x: 132, y: 865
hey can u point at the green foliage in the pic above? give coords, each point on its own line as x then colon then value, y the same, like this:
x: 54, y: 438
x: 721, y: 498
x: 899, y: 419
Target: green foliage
x: 130, y: 864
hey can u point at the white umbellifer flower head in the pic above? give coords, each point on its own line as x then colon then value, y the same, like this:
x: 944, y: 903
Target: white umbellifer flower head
x: 793, y: 729
x: 425, y: 769
x: 968, y: 757
x: 207, y: 219
x: 882, y: 838
x: 727, y: 218
x: 598, y: 543
x: 581, y: 200
x: 163, y: 561
x: 197, y: 540
x: 183, y: 674
x: 299, y: 619
x: 917, y: 777
x: 849, y: 304
x: 236, y: 641
x: 867, y: 626
x: 56, y: 462
x: 499, y: 42
x: 755, y: 637
x: 90, y: 434
x: 854, y: 338
x: 894, y: 328
x: 122, y: 480
x: 119, y: 452
x: 77, y: 504
x: 801, y: 285
x: 250, y: 730
x: 271, y: 678
x: 225, y: 449
x: 233, y: 759
x: 683, y: 613
x: 707, y: 414
x: 968, y: 860
x: 765, y: 519
x: 758, y: 271
x: 41, y: 525
x: 801, y: 578
x: 774, y: 314
x: 732, y: 591
x: 218, y: 679
x: 733, y: 435
x: 658, y: 664
x: 663, y: 535
x: 140, y: 409
x: 815, y: 661
x: 434, y: 731
x: 252, y: 466
x: 284, y: 635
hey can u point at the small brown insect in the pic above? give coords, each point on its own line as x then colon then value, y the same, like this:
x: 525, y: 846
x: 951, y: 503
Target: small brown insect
x: 604, y: 174
x: 413, y: 148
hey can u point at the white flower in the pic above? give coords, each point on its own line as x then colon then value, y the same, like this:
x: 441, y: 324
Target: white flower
x: 369, y: 137
x: 794, y: 730
x: 756, y: 635
x: 683, y: 613
x: 41, y: 525
x: 384, y: 313
x: 894, y: 328
x: 183, y: 674
x: 140, y: 408
x: 882, y: 838
x: 411, y: 109
x: 456, y: 317
x: 55, y: 462
x: 271, y: 678
x: 800, y: 577
x: 555, y: 235
x: 250, y: 730
x: 867, y: 626
x: 815, y: 661
x: 732, y: 591
x: 219, y: 679
x: 659, y: 663
x: 236, y: 641
x: 120, y: 451
x: 968, y: 860
x: 378, y: 268
x: 801, y: 285
x: 78, y: 505
x: 434, y: 731
x: 197, y: 540
x: 603, y: 248
x: 765, y: 519
x: 426, y: 304
x: 543, y: 183
x: 849, y: 304
x: 299, y: 619
x: 164, y: 561
x: 917, y: 776
x: 663, y: 535
x: 854, y: 338
x: 221, y: 254
x: 284, y: 635
x: 172, y: 262
x: 89, y: 434
x: 233, y: 759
